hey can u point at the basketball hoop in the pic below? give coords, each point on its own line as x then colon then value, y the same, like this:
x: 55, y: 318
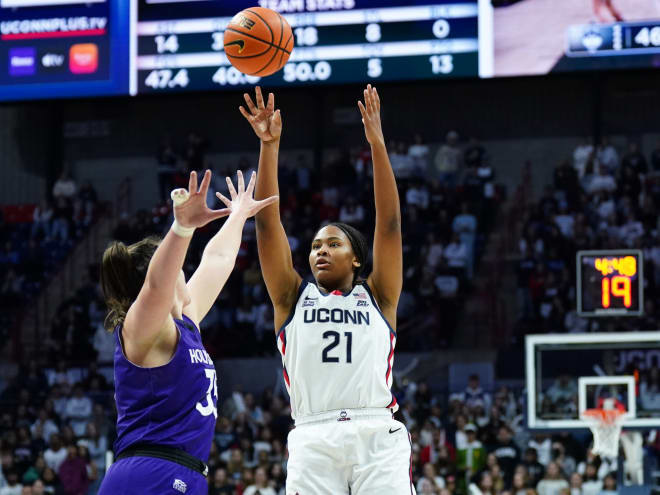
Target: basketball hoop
x: 605, y: 424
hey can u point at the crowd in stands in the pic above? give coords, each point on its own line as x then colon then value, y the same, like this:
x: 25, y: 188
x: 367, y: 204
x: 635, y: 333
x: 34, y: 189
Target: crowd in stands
x: 601, y: 199
x: 36, y: 240
x: 55, y: 435
x: 56, y: 426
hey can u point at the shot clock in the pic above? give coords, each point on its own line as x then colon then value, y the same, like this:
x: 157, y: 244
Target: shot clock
x: 610, y: 283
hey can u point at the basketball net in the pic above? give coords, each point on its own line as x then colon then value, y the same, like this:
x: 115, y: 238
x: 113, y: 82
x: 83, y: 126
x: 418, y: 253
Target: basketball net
x: 606, y: 424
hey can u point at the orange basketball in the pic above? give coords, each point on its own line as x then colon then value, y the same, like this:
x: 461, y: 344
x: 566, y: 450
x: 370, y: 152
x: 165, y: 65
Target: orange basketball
x: 258, y: 41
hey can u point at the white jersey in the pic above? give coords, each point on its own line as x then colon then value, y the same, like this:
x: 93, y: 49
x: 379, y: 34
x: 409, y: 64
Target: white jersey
x: 337, y: 352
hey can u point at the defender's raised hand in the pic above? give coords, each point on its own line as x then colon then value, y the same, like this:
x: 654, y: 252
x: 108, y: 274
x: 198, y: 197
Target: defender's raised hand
x: 264, y: 119
x: 190, y: 209
x: 242, y: 201
x: 370, y: 111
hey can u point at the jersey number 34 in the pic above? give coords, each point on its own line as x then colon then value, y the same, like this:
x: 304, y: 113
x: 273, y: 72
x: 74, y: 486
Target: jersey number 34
x: 209, y: 408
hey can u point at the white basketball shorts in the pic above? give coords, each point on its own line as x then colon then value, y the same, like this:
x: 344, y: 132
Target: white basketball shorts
x: 365, y: 451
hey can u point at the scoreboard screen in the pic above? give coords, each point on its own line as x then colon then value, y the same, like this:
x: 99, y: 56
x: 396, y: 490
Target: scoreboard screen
x: 534, y: 37
x: 180, y: 43
x: 78, y: 48
x: 610, y: 283
x: 52, y: 48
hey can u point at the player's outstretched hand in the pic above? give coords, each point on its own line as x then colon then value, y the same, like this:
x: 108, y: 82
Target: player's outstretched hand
x: 242, y: 201
x: 264, y: 119
x: 370, y: 111
x: 190, y: 208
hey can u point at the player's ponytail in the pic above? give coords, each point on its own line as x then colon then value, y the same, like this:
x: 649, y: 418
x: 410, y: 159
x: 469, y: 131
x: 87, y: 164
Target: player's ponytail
x: 359, y: 245
x: 123, y: 271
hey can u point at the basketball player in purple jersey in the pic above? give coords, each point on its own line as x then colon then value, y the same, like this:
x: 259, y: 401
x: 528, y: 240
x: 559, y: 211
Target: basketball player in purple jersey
x: 337, y: 335
x: 165, y: 382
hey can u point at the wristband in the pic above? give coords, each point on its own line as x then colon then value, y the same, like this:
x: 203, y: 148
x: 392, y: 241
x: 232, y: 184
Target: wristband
x: 182, y: 231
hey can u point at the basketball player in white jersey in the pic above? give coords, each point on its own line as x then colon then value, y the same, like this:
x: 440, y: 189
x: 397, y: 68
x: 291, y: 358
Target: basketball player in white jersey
x: 337, y: 335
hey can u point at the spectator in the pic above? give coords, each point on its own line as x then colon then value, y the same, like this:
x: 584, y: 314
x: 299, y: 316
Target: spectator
x: 56, y: 453
x: 629, y: 183
x: 419, y: 152
x: 35, y: 471
x: 52, y: 482
x: 456, y: 254
x: 62, y: 214
x: 13, y: 487
x: 447, y: 160
x: 474, y: 154
x: 42, y: 220
x: 418, y: 195
x: 38, y: 488
x: 563, y: 390
x: 591, y: 485
x: 65, y: 186
x: 553, y: 481
x: 634, y: 159
x: 631, y: 230
x: 582, y: 154
x: 73, y: 473
x: 352, y: 213
x: 607, y: 155
x: 220, y: 484
x: 97, y: 445
x: 88, y: 198
x: 432, y: 250
x: 507, y: 452
x: 609, y: 485
x: 565, y: 221
x: 473, y: 392
x: 520, y: 484
x: 47, y: 425
x: 535, y: 469
x: 575, y: 484
x: 602, y: 182
x: 402, y: 163
x: 565, y: 462
x: 91, y: 468
x: 485, y: 486
x: 472, y: 457
x: 649, y: 389
x: 78, y: 411
x: 465, y: 225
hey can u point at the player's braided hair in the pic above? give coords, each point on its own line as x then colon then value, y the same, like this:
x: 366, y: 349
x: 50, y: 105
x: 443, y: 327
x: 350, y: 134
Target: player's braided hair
x: 359, y: 245
x: 123, y: 271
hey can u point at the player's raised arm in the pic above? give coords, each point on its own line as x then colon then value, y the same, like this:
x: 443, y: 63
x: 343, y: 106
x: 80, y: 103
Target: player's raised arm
x: 386, y: 279
x: 146, y: 317
x: 219, y: 255
x: 282, y: 281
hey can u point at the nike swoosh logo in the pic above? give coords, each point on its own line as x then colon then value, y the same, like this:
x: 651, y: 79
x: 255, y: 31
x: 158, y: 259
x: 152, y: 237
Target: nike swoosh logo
x: 394, y: 431
x: 240, y: 43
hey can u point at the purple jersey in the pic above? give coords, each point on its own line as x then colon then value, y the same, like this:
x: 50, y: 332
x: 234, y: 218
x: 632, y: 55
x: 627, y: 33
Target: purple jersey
x: 173, y: 404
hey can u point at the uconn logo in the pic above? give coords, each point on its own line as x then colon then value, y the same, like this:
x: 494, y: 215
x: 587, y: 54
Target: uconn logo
x: 336, y: 315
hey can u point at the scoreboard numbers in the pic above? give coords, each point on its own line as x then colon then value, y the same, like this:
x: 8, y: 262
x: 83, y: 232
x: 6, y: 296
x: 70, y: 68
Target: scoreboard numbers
x: 181, y: 45
x: 648, y: 36
x: 307, y: 36
x: 610, y: 283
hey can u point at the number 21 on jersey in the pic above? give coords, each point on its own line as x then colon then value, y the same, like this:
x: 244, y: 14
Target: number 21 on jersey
x: 335, y: 338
